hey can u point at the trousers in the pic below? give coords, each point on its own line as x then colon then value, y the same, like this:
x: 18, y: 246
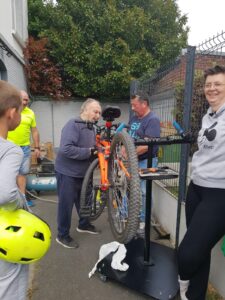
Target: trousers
x: 13, y: 281
x: 68, y: 189
x: 205, y: 218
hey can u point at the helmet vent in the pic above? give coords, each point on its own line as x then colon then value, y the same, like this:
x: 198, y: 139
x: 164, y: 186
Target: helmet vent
x: 3, y: 251
x: 26, y: 259
x: 39, y: 235
x: 13, y: 228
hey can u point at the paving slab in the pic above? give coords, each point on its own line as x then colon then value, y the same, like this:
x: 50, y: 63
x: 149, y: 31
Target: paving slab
x: 63, y: 273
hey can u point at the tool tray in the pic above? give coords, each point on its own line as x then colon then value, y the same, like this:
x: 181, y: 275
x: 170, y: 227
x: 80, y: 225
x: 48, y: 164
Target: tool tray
x: 157, y: 173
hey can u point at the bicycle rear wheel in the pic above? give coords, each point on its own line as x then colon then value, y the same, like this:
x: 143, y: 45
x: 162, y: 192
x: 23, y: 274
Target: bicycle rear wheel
x: 125, y: 192
x: 92, y: 198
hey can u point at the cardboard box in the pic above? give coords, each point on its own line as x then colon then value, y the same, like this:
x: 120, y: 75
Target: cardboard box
x: 47, y: 151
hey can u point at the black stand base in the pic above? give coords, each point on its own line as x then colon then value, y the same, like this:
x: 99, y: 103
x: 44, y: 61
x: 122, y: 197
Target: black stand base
x: 157, y: 278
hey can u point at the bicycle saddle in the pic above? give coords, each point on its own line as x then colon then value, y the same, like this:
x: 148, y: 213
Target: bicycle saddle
x: 110, y: 113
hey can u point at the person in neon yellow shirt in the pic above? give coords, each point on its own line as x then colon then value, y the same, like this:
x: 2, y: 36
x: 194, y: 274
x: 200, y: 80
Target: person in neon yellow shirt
x: 21, y: 137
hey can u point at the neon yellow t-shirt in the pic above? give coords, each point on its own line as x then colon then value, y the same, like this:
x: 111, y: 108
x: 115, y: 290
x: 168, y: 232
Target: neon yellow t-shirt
x: 21, y: 135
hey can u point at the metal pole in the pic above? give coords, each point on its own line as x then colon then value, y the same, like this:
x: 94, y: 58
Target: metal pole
x: 185, y: 148
x: 53, y: 123
x: 148, y: 208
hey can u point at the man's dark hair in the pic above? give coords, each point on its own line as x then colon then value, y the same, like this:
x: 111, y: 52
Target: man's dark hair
x: 214, y: 71
x: 9, y: 97
x: 142, y: 96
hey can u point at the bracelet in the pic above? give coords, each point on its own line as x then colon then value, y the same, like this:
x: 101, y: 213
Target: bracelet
x: 37, y: 148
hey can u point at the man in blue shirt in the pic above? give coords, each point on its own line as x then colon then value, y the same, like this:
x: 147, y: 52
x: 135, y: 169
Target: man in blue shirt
x: 144, y: 123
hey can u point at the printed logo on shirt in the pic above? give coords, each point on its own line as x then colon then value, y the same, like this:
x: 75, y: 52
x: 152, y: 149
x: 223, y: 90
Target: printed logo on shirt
x: 209, y: 134
x: 133, y: 130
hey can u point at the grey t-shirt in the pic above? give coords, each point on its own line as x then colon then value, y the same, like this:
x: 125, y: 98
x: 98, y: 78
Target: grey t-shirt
x: 10, y: 160
x: 13, y: 277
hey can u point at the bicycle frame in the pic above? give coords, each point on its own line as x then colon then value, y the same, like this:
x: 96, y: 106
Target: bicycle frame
x: 112, y: 178
x: 103, y: 143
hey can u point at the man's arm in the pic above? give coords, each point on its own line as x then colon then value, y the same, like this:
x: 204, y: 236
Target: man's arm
x: 74, y: 138
x: 141, y: 149
x: 36, y: 140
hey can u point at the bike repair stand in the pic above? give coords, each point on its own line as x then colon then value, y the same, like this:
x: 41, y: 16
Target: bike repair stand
x: 154, y: 273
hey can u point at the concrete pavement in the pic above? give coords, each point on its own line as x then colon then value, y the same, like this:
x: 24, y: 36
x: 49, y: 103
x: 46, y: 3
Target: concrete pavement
x: 63, y: 273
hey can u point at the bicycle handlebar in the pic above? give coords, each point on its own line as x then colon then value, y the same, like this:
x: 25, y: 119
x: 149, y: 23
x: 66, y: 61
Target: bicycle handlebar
x: 181, y: 138
x: 118, y: 127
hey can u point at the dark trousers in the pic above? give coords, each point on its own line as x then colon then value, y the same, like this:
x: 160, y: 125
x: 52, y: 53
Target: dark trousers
x: 68, y: 189
x: 205, y: 217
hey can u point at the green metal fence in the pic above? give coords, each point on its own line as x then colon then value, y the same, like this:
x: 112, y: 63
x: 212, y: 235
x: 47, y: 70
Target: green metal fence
x: 176, y: 93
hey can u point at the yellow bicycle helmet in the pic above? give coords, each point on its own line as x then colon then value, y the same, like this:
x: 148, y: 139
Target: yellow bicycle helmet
x: 24, y: 238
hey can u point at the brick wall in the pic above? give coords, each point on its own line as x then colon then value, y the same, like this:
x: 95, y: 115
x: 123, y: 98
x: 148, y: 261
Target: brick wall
x: 176, y: 73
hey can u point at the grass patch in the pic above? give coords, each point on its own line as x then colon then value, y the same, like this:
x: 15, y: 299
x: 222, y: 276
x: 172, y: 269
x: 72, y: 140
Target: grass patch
x: 173, y: 190
x: 212, y: 294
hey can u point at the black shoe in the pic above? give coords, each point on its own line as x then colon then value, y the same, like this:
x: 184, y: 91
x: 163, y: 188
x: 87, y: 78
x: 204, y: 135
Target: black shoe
x: 67, y: 242
x: 89, y: 229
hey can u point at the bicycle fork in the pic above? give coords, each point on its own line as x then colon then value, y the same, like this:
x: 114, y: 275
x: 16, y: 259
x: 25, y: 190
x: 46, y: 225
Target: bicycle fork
x: 103, y: 164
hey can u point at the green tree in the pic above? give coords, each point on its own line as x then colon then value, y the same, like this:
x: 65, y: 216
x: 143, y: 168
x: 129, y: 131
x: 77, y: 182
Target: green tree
x: 101, y: 45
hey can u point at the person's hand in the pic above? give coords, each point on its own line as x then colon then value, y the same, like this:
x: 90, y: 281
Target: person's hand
x: 94, y: 151
x: 37, y: 152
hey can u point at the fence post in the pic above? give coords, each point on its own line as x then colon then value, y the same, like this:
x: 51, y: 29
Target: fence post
x: 185, y: 148
x: 134, y: 87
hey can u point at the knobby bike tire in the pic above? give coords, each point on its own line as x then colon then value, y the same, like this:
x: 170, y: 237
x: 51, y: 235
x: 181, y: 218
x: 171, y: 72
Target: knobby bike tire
x: 124, y: 192
x: 92, y: 199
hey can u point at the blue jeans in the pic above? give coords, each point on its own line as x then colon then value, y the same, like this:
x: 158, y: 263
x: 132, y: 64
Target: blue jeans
x: 25, y: 166
x: 142, y: 164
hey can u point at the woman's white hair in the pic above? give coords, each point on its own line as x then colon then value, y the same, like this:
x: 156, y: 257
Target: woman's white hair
x: 86, y: 103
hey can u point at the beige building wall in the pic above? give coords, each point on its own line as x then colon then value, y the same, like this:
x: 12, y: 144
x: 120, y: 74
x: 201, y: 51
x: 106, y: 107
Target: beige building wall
x: 13, y: 24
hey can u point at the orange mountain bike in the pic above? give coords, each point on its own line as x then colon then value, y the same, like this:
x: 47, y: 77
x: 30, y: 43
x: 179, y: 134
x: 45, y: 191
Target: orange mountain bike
x: 112, y: 179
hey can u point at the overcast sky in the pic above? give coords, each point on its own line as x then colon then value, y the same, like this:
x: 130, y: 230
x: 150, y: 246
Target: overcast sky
x: 205, y: 18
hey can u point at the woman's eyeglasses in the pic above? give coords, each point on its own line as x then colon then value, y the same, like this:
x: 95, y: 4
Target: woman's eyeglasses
x: 214, y: 85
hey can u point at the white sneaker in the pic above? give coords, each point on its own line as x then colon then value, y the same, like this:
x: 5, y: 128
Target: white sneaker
x: 183, y: 288
x: 142, y: 225
x: 141, y: 230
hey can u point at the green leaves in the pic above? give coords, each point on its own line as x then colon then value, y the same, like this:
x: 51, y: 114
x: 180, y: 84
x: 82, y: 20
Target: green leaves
x: 102, y: 45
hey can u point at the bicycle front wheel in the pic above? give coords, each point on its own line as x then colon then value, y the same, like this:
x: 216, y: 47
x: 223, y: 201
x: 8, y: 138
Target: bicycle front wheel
x: 125, y: 192
x: 92, y: 198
